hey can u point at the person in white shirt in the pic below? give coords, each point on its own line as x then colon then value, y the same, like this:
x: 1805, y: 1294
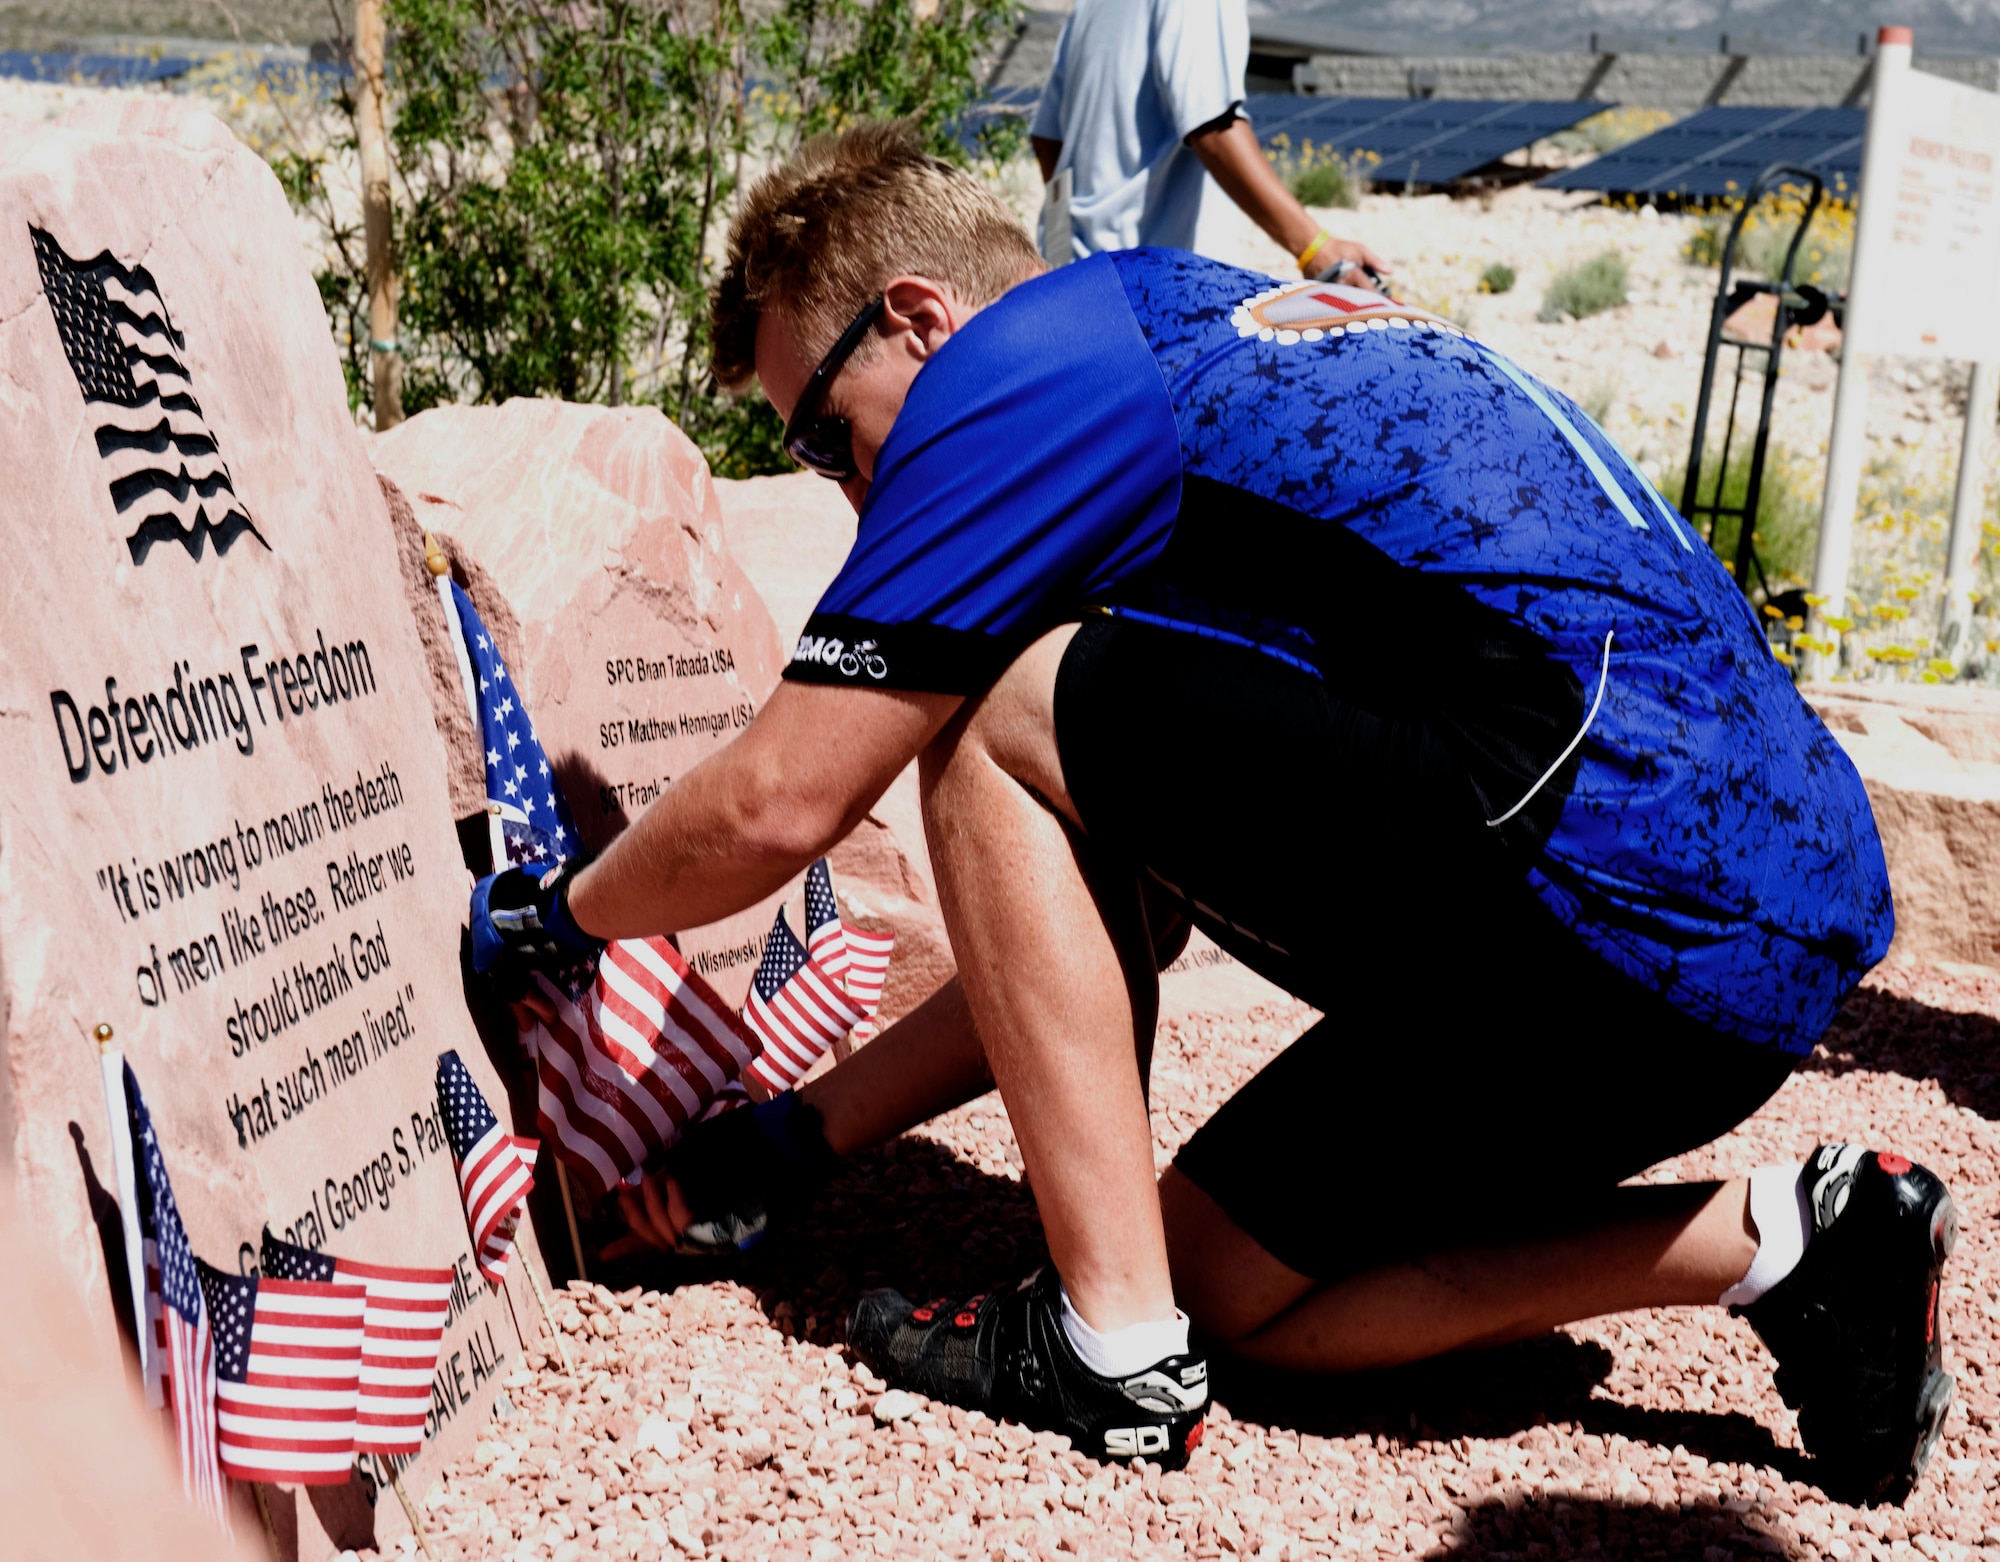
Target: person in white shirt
x: 1145, y: 99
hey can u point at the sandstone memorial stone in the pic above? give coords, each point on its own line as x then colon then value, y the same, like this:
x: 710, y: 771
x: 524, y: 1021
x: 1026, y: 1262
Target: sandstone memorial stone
x: 1930, y: 758
x: 225, y: 829
x: 643, y: 645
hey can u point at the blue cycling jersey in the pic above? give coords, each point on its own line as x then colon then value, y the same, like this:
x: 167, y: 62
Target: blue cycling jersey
x: 1365, y: 492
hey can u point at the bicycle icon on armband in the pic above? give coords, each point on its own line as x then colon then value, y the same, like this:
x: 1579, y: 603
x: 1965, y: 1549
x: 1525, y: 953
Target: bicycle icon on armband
x: 863, y: 657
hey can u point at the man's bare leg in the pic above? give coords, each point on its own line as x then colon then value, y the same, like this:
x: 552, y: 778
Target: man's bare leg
x: 1058, y: 977
x: 932, y: 1060
x: 925, y: 1064
x: 1666, y: 1245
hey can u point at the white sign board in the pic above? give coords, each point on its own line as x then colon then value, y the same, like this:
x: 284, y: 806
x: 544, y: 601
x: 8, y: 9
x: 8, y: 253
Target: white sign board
x: 1926, y: 256
x: 1929, y: 235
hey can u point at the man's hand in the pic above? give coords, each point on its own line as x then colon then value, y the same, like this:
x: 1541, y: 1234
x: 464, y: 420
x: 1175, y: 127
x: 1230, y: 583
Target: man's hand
x: 655, y: 1215
x: 521, y: 924
x: 716, y: 1190
x: 1347, y: 261
x: 1236, y: 162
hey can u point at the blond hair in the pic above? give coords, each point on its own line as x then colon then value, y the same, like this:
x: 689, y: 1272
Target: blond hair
x: 819, y: 237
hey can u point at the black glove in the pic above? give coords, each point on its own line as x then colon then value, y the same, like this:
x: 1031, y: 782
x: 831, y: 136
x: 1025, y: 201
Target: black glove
x: 735, y: 1171
x: 521, y: 924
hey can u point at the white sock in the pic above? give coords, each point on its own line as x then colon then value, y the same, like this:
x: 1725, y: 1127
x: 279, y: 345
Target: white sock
x: 1783, y: 1216
x: 1124, y: 1351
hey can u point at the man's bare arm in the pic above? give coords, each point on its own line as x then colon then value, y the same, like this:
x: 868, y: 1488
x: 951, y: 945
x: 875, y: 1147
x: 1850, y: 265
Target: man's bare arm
x: 1231, y: 154
x: 755, y: 814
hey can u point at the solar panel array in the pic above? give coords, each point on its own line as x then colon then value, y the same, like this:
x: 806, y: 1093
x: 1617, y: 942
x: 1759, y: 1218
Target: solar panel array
x: 1418, y: 140
x: 1720, y: 151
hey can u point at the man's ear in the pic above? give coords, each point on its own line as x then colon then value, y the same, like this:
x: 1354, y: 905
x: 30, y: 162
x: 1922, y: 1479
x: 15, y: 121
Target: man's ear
x: 927, y: 313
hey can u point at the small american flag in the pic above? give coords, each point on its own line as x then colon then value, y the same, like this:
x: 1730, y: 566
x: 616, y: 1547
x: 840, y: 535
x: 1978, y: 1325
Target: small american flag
x: 496, y: 1170
x: 855, y: 957
x: 166, y: 473
x: 632, y: 1058
x: 186, y: 1342
x: 641, y: 1043
x: 796, y: 1009
x: 530, y: 821
x: 288, y: 1375
x: 402, y: 1333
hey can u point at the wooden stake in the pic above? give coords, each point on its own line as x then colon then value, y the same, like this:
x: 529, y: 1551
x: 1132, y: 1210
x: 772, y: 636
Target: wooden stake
x: 264, y: 1513
x: 549, y: 1315
x: 410, y: 1508
x: 511, y: 1313
x: 569, y: 1213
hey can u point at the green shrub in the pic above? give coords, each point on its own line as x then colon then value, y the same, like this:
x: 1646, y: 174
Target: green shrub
x: 1597, y: 285
x: 564, y: 176
x: 1787, y: 527
x: 1614, y: 128
x: 1824, y: 257
x: 1320, y: 176
x: 1324, y: 184
x: 1497, y: 278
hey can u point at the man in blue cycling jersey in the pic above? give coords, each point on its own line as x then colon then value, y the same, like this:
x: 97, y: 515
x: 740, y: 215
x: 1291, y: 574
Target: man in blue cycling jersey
x: 1296, y: 615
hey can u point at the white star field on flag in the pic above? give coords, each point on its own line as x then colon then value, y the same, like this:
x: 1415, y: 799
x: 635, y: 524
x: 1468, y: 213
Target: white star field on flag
x: 534, y: 822
x: 495, y: 1169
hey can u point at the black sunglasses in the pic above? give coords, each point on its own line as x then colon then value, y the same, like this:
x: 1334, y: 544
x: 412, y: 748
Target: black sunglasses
x: 825, y: 443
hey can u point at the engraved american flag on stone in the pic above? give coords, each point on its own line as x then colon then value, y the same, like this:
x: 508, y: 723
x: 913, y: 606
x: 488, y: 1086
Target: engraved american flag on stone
x: 402, y: 1334
x: 287, y: 1375
x: 168, y: 480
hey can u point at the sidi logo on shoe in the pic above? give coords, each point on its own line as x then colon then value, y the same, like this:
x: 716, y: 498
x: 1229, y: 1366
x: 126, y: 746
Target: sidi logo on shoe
x: 1132, y: 1442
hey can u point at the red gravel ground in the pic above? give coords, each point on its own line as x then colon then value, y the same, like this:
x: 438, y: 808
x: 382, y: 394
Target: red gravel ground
x: 718, y: 1416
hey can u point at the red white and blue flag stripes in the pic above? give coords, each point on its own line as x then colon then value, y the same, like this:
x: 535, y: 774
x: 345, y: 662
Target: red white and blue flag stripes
x: 496, y: 1170
x: 631, y: 1058
x: 853, y: 956
x: 287, y: 1375
x: 184, y: 1339
x: 402, y: 1332
x: 641, y: 1044
x: 796, y: 1008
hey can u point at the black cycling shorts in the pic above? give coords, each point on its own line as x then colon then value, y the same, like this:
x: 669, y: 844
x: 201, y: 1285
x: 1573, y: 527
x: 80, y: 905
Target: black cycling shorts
x: 1478, y: 1073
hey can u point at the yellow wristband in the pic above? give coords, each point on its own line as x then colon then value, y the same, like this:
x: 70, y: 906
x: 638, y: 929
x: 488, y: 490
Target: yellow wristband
x: 1320, y: 242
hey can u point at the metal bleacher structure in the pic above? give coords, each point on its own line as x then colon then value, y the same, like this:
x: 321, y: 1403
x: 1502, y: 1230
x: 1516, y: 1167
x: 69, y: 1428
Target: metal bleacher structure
x: 1429, y: 141
x: 1717, y: 153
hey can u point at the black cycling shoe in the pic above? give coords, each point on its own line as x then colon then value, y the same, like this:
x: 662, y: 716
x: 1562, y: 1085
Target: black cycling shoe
x: 1006, y: 1353
x: 1855, y: 1326
x: 738, y: 1169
